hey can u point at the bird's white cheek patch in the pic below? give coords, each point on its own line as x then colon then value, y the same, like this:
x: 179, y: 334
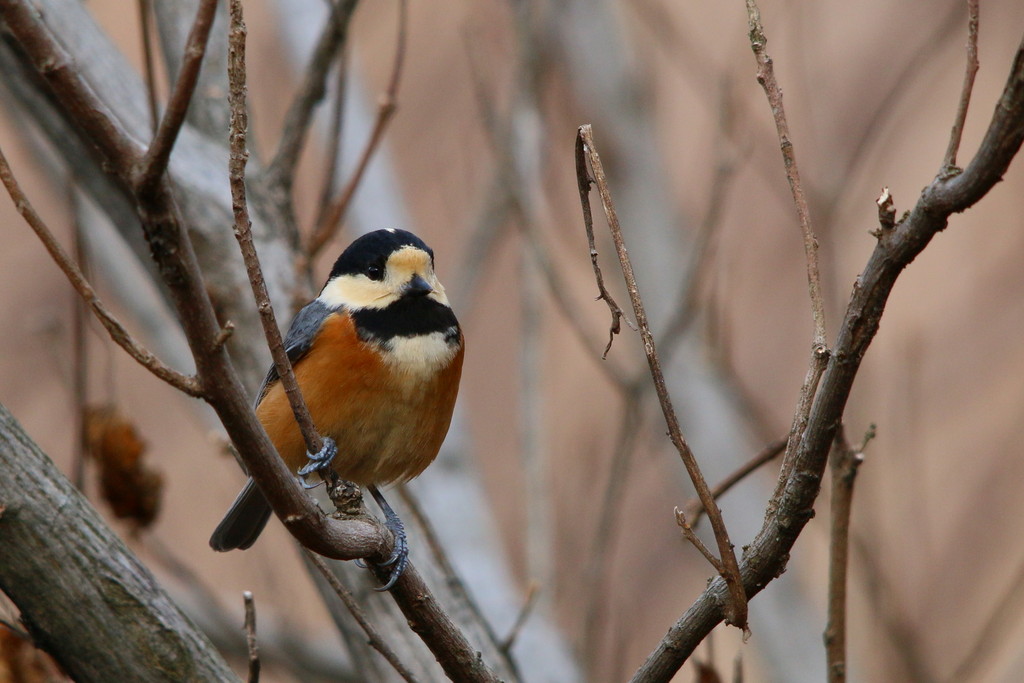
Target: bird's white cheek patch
x: 420, y: 357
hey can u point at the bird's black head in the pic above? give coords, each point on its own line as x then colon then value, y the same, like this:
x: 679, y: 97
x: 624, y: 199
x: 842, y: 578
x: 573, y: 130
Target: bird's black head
x: 382, y: 268
x: 368, y: 255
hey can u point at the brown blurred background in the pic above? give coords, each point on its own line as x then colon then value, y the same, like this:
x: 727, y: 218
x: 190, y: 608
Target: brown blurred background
x: 478, y: 161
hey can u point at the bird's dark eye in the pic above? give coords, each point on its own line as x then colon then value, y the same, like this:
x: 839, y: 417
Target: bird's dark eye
x: 375, y: 271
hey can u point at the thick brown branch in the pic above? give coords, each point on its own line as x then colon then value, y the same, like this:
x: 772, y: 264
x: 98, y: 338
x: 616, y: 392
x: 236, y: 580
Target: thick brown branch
x: 766, y: 557
x: 728, y: 567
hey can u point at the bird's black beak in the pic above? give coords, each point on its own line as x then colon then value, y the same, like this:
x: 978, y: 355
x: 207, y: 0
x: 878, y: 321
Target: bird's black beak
x: 417, y: 286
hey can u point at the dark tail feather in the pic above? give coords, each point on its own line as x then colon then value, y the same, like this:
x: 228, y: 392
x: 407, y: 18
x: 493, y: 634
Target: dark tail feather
x: 245, y: 520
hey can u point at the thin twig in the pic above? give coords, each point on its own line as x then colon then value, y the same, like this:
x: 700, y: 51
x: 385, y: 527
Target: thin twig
x: 609, y: 518
x: 333, y: 153
x: 243, y: 228
x: 532, y: 591
x: 385, y: 111
x: 583, y: 181
x: 845, y: 462
x: 586, y: 151
x: 697, y: 543
x: 79, y: 351
x: 159, y: 153
x: 373, y: 636
x: 694, y: 509
x: 970, y: 70
x: 188, y: 384
x: 766, y: 77
x: 300, y: 114
x: 145, y: 28
x: 250, y: 637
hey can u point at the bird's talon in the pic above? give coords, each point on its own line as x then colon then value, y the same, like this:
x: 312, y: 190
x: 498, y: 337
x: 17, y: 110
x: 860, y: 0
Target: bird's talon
x: 399, y: 559
x: 318, y: 462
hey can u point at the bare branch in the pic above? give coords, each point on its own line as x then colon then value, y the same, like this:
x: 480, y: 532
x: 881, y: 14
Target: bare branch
x: 766, y: 77
x: 845, y: 462
x: 970, y: 70
x: 121, y: 336
x: 694, y: 509
x: 583, y: 180
x: 145, y: 29
x: 373, y: 636
x: 532, y: 591
x: 766, y: 557
x: 243, y: 228
x: 385, y: 111
x: 158, y: 155
x: 250, y: 637
x: 300, y: 114
x: 586, y: 151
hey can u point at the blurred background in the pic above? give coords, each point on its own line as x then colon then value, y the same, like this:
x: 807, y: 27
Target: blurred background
x: 572, y: 482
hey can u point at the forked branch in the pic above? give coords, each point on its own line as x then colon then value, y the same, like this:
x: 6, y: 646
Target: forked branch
x: 586, y: 152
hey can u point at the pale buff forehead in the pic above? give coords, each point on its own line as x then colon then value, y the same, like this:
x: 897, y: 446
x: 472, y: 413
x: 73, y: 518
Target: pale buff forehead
x: 409, y: 258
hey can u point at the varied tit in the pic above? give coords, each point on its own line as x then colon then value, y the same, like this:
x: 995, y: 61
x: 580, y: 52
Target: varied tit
x: 378, y: 357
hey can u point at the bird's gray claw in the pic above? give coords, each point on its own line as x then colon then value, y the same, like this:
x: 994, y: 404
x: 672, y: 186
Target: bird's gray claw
x: 318, y: 462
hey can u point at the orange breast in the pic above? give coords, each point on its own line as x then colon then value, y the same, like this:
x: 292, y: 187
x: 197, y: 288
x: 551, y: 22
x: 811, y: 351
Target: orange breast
x: 386, y: 429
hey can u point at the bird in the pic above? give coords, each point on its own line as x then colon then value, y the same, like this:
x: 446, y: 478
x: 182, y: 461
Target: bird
x: 378, y: 357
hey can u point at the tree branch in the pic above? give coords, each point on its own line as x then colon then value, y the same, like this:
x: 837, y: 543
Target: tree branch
x: 729, y: 569
x: 336, y: 210
x: 154, y: 163
x: 117, y: 332
x: 970, y: 71
x: 101, y: 595
x: 766, y: 557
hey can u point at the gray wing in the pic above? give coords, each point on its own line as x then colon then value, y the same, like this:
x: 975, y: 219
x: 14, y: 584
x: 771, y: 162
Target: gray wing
x: 304, y: 329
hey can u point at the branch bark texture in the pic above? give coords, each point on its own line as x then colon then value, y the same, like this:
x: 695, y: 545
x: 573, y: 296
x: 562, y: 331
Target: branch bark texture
x: 79, y: 588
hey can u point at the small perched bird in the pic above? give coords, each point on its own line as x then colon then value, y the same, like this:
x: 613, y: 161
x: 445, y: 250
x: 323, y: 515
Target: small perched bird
x: 378, y: 357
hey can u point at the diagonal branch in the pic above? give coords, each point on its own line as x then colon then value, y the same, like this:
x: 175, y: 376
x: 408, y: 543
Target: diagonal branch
x: 300, y: 115
x: 728, y: 567
x: 121, y: 336
x: 766, y: 557
x: 766, y: 77
x: 159, y: 153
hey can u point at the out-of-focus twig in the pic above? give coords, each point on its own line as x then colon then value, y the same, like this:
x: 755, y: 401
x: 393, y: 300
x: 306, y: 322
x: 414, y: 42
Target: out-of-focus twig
x: 385, y: 111
x: 250, y: 637
x: 970, y: 71
x: 845, y: 461
x: 311, y: 91
x: 736, y: 610
x: 145, y: 30
x: 694, y: 509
